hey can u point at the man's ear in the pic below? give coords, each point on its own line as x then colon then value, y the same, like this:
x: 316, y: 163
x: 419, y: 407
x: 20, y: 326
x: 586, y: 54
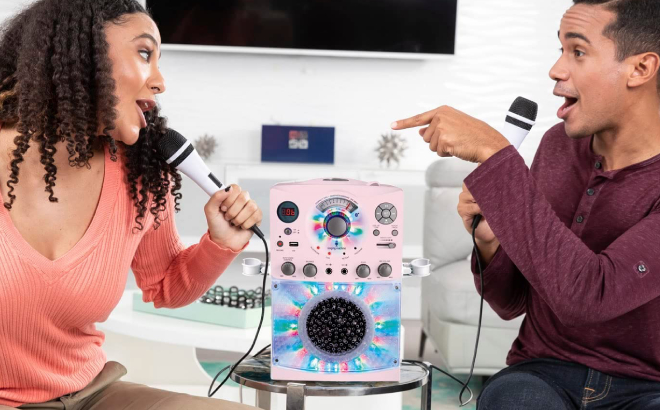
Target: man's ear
x: 644, y: 69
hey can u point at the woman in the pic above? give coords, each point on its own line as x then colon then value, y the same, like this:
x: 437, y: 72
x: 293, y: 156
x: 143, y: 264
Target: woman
x: 78, y: 79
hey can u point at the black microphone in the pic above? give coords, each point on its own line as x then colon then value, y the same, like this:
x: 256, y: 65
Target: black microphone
x: 180, y: 153
x: 518, y: 122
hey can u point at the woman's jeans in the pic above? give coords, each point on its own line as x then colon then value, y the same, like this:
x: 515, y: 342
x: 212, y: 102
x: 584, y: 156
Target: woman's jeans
x: 550, y: 384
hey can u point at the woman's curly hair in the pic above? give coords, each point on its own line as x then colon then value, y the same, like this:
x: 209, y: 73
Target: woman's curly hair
x: 56, y: 86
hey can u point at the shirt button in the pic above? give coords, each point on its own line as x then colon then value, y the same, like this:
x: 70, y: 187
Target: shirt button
x: 599, y: 165
x: 641, y: 268
x: 590, y: 192
x: 580, y: 219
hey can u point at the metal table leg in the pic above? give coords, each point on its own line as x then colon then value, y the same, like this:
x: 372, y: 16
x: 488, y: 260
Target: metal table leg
x: 263, y: 399
x: 427, y: 389
x: 295, y: 396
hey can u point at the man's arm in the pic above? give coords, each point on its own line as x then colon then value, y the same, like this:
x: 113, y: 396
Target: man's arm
x: 580, y: 286
x: 504, y: 288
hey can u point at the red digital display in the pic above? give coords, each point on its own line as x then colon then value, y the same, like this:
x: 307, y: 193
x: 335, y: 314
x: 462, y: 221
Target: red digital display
x: 288, y: 211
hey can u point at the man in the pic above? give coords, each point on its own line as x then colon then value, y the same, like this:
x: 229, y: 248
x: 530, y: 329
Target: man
x: 574, y: 243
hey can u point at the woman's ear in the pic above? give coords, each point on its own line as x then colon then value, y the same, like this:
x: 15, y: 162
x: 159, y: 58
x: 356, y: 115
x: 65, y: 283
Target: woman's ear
x: 644, y: 69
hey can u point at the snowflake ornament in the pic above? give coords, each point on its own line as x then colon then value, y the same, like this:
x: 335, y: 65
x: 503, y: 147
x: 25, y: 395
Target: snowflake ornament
x: 205, y: 146
x: 391, y: 148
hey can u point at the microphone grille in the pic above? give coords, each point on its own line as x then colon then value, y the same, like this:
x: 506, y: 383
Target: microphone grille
x: 525, y: 108
x: 170, y: 143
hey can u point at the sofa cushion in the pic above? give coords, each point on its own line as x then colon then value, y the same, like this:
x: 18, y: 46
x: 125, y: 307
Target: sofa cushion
x: 445, y: 238
x: 449, y: 292
x: 448, y: 172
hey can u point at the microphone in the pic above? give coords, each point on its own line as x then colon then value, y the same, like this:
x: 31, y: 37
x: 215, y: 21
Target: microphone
x: 179, y: 153
x: 518, y: 122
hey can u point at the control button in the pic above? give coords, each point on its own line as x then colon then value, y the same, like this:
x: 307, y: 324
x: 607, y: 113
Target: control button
x: 391, y: 245
x: 385, y: 269
x: 590, y: 192
x: 280, y: 243
x: 386, y: 205
x: 363, y: 271
x: 386, y: 221
x: 580, y: 219
x: 337, y: 226
x: 393, y: 214
x: 288, y: 268
x: 376, y: 232
x: 287, y: 231
x: 309, y: 270
x: 386, y: 214
x: 379, y: 213
x: 395, y: 233
x: 599, y: 165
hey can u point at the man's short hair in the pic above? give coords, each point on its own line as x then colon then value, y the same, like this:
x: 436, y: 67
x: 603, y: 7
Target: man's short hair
x: 636, y: 28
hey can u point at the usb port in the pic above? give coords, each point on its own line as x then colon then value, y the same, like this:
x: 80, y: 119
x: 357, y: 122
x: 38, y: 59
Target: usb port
x: 293, y: 244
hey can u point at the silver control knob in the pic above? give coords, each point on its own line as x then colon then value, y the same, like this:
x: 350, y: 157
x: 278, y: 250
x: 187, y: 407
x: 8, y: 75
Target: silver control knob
x: 288, y: 268
x: 337, y: 227
x: 363, y: 271
x: 385, y: 269
x: 309, y: 270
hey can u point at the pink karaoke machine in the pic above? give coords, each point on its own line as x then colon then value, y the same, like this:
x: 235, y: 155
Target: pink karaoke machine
x: 336, y: 250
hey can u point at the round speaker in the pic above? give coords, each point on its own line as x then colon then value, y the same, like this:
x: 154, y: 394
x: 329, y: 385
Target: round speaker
x: 336, y: 326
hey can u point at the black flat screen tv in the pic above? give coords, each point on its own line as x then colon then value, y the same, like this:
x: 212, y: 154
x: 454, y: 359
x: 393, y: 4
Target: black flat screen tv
x: 395, y: 27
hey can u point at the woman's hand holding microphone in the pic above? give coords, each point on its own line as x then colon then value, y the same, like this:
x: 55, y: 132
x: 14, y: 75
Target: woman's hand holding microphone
x: 230, y: 213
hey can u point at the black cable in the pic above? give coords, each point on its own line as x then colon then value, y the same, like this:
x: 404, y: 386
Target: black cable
x: 475, y: 223
x: 465, y: 384
x: 427, y: 365
x: 263, y: 311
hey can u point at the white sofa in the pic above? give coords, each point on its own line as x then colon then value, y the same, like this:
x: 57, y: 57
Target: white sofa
x: 450, y: 302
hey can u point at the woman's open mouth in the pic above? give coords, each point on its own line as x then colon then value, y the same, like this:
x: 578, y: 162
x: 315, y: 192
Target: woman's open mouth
x: 142, y: 107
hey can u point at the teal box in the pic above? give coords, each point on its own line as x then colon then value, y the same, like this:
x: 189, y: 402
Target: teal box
x: 207, y: 313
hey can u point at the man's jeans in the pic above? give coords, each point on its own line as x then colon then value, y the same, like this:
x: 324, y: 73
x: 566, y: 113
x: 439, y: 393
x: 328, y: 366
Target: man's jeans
x: 550, y: 384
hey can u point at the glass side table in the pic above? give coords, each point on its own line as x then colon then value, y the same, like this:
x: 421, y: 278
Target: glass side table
x: 255, y: 373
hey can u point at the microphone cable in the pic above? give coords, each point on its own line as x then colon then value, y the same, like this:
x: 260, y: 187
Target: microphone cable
x: 261, y: 320
x: 475, y: 224
x: 428, y: 366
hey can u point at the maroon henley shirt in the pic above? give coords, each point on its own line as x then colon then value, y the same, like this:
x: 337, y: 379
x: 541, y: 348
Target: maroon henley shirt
x: 579, y: 255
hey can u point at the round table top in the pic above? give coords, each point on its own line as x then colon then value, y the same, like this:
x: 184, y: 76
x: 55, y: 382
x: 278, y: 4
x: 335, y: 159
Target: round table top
x: 255, y: 373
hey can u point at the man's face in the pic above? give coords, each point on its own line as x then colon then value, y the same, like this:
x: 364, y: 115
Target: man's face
x: 588, y: 74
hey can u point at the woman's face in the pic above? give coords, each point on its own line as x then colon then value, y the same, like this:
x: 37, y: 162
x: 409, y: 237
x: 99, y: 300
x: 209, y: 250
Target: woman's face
x: 134, y: 52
